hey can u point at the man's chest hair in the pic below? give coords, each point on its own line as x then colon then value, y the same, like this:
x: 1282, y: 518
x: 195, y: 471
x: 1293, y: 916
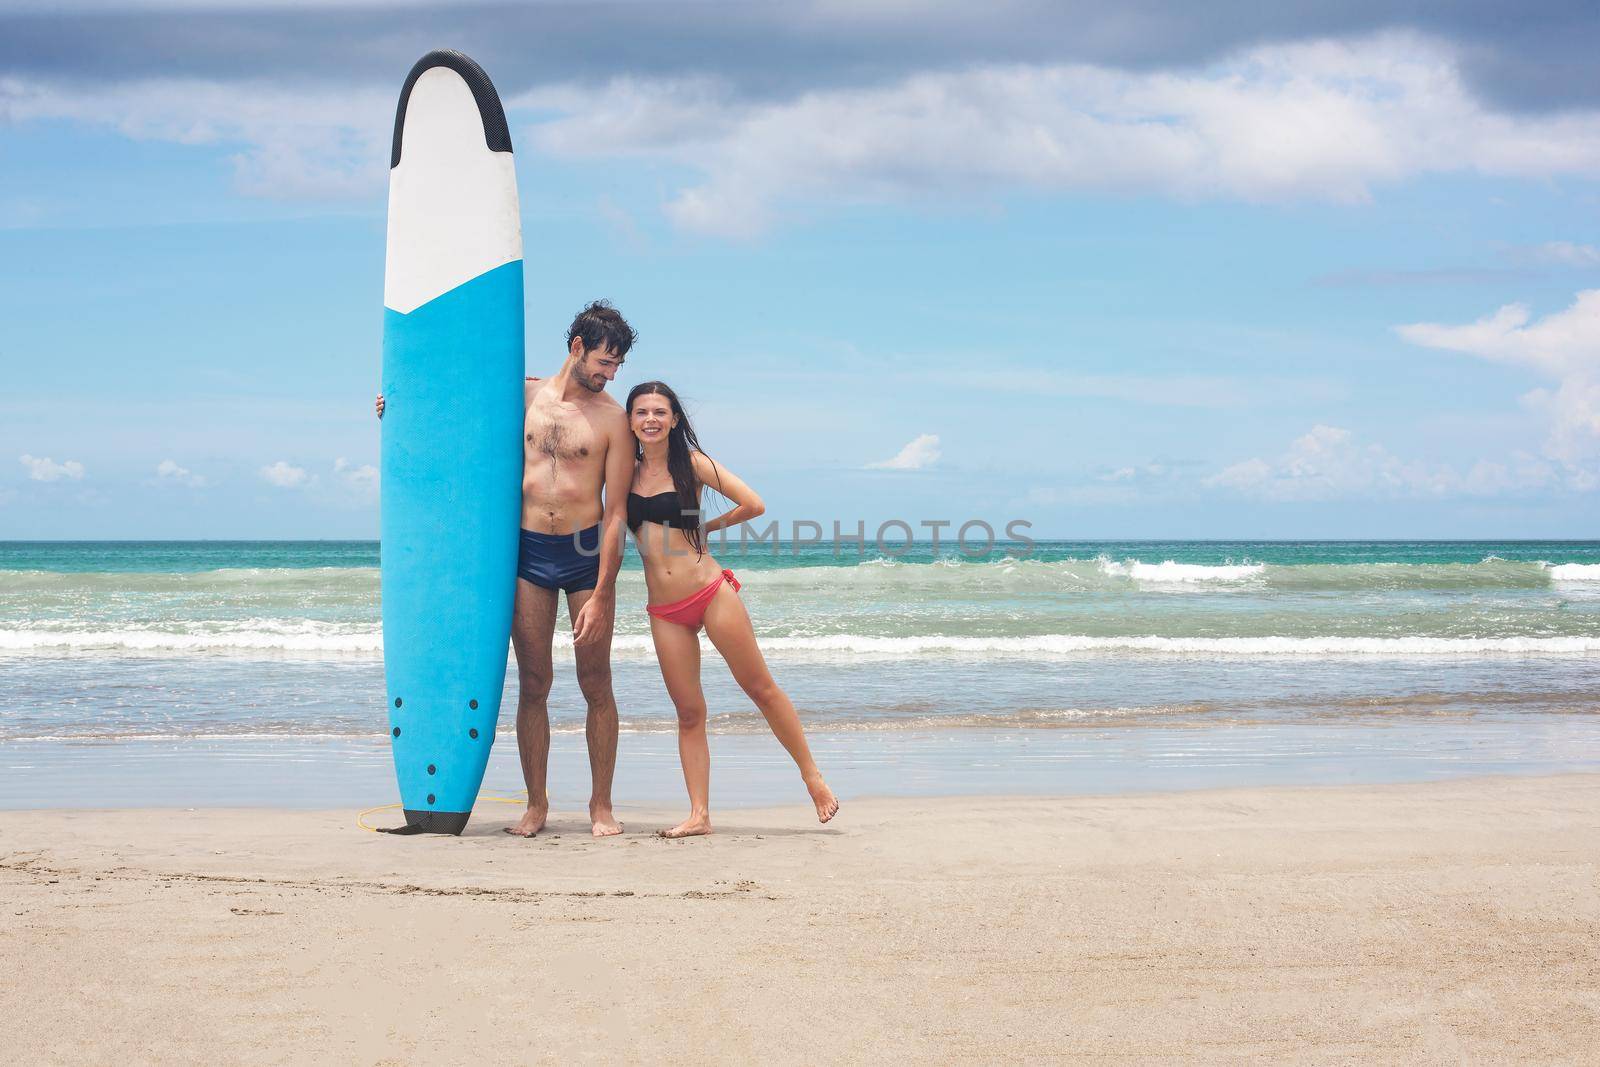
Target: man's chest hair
x: 559, y: 431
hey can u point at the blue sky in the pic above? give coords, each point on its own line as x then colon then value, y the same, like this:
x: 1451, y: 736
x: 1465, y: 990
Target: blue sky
x: 1312, y: 279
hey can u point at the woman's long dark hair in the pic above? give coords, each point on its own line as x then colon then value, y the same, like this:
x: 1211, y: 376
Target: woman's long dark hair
x: 682, y: 444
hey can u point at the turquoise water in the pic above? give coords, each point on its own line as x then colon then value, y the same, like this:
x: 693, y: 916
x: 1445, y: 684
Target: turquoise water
x: 131, y: 661
x: 181, y: 557
x: 69, y: 557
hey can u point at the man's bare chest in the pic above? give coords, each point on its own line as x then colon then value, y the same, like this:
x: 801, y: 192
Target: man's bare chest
x: 559, y: 433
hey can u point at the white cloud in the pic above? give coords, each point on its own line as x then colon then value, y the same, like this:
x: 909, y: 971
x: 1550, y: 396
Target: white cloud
x: 1115, y: 485
x: 293, y: 143
x: 1180, y: 390
x: 919, y: 453
x: 48, y: 470
x: 168, y: 472
x: 91, y: 6
x: 1176, y: 391
x: 1563, y: 254
x: 363, y: 478
x: 1082, y: 495
x: 1563, y: 347
x: 1146, y: 473
x: 1329, y: 464
x: 285, y: 476
x: 1323, y: 121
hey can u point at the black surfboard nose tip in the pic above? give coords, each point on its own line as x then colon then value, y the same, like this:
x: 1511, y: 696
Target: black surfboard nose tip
x: 496, y: 132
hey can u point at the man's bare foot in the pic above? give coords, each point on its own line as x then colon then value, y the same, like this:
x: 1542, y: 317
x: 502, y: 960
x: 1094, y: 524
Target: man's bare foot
x: 532, y: 822
x: 827, y: 804
x: 605, y: 823
x: 693, y: 826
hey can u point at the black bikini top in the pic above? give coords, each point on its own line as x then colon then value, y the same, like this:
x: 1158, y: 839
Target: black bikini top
x: 662, y: 508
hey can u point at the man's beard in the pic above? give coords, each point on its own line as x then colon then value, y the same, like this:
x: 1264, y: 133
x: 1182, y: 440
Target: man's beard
x: 596, y: 384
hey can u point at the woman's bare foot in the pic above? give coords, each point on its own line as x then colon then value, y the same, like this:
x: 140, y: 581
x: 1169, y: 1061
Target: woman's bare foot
x: 531, y: 823
x: 605, y: 823
x: 693, y: 826
x: 827, y: 804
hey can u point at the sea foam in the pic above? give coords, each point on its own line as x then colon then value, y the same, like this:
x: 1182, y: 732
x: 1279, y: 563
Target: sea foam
x: 1575, y: 572
x: 1169, y: 571
x: 835, y: 647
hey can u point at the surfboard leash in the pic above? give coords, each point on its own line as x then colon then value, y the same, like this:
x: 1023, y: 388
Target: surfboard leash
x: 519, y: 797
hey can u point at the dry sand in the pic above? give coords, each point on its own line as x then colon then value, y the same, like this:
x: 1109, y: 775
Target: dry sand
x: 1448, y: 922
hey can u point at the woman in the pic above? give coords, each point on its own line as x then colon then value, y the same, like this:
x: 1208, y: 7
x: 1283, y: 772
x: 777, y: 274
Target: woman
x: 689, y: 589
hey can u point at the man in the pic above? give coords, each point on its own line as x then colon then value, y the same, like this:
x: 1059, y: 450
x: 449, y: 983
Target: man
x: 575, y: 442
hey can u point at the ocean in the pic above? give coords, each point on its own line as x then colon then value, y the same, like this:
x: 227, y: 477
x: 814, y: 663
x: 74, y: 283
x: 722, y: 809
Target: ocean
x: 250, y: 673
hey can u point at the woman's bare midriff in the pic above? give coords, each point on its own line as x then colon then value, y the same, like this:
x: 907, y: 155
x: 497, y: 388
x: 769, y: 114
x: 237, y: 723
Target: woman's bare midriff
x: 672, y: 569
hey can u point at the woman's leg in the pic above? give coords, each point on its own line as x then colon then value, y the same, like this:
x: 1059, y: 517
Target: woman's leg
x: 728, y: 625
x: 678, y: 650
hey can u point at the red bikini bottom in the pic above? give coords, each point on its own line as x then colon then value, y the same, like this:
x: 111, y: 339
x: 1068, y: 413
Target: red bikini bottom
x: 692, y: 609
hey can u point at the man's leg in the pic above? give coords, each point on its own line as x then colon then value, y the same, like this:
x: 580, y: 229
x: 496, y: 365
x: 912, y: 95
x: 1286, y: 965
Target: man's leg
x: 532, y: 628
x: 594, y: 677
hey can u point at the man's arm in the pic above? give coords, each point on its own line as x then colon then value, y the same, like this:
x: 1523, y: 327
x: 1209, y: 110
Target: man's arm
x: 601, y: 607
x: 614, y: 516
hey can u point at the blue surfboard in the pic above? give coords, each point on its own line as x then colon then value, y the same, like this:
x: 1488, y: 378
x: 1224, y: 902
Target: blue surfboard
x: 452, y: 434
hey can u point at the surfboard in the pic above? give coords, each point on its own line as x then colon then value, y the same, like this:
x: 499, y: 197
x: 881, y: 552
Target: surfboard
x: 451, y: 478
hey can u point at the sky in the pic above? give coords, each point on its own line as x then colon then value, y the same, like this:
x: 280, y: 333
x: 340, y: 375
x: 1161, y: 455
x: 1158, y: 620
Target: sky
x: 1329, y: 271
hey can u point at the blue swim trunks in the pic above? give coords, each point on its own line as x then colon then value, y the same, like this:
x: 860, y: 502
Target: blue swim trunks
x: 569, y: 562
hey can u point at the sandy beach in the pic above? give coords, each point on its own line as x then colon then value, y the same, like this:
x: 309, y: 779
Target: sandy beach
x: 1442, y: 922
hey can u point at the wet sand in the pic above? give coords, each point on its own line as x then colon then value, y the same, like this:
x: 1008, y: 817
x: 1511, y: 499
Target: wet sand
x: 1434, y: 923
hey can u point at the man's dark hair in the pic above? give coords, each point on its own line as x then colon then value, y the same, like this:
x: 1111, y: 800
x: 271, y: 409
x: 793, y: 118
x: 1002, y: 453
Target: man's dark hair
x: 601, y: 324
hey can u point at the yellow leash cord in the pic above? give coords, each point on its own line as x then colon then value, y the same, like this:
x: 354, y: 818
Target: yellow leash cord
x: 519, y: 797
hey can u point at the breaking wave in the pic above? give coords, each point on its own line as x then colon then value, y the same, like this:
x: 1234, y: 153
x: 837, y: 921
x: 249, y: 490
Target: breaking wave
x: 307, y: 638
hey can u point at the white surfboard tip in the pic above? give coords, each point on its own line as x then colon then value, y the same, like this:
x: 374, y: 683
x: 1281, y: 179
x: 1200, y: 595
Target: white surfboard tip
x: 453, y: 211
x: 496, y: 134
